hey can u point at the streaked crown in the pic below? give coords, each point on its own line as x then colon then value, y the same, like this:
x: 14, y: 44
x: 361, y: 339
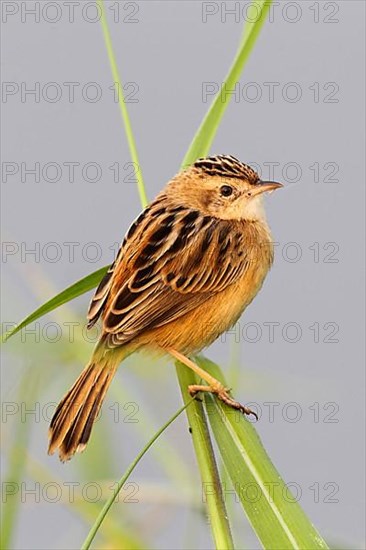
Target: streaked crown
x: 227, y: 166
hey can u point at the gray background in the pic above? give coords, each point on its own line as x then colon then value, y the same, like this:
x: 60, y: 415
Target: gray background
x: 168, y: 54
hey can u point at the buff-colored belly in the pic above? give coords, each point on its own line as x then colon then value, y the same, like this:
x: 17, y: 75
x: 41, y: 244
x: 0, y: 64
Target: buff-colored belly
x: 200, y: 327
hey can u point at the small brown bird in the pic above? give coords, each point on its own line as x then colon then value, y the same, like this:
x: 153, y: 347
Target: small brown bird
x: 186, y: 270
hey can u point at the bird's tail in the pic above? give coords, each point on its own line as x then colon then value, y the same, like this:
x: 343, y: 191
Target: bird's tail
x: 76, y: 413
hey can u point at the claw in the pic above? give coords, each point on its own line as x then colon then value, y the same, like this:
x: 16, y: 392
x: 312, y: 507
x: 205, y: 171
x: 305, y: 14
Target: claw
x: 222, y: 394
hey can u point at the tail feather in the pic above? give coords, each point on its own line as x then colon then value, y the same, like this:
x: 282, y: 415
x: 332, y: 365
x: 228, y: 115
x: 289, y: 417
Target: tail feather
x: 76, y: 437
x: 76, y: 413
x: 84, y: 438
x: 57, y: 425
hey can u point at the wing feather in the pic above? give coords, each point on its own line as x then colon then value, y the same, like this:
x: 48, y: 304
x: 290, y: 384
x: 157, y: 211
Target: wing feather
x: 172, y: 260
x: 98, y: 301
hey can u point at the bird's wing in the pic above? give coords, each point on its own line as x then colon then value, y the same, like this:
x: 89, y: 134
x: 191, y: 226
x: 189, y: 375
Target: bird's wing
x: 98, y: 302
x: 172, y: 260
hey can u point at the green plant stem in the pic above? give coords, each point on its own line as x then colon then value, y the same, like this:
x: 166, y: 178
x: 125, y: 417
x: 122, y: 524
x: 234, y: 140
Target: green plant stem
x: 98, y: 522
x: 273, y: 511
x: 211, y: 484
x: 122, y: 104
x: 205, y: 134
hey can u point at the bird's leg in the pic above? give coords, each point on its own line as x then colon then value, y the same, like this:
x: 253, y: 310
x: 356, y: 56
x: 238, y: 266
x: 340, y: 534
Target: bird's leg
x: 214, y: 386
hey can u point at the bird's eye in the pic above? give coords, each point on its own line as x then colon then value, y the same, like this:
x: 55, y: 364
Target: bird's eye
x: 226, y: 190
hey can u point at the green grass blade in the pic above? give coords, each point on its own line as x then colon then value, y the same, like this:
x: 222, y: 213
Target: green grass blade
x: 71, y: 292
x: 206, y: 463
x: 204, y: 137
x: 275, y: 515
x: 122, y: 103
x: 98, y: 522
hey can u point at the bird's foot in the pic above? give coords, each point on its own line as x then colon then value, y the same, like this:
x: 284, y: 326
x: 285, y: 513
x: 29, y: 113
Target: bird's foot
x: 224, y: 396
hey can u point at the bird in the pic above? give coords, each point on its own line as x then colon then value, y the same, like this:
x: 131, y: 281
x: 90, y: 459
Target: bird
x: 189, y: 265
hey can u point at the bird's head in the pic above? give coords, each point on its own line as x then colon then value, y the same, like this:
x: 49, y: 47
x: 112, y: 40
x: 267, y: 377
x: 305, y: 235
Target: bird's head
x: 223, y: 187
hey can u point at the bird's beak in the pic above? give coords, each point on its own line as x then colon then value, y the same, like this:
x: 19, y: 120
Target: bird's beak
x: 264, y: 186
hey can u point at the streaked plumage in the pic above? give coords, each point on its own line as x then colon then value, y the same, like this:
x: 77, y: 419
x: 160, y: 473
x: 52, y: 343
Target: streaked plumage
x: 187, y: 268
